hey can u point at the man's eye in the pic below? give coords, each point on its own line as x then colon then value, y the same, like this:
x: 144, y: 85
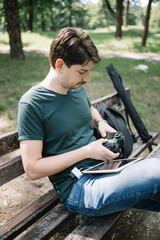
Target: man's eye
x: 81, y: 72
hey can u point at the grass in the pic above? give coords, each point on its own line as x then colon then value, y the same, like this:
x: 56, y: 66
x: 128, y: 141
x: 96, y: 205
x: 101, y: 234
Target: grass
x: 130, y: 42
x: 103, y: 38
x: 18, y: 76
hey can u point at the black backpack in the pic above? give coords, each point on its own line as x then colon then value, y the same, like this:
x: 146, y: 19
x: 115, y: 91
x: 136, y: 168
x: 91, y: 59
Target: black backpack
x: 117, y: 121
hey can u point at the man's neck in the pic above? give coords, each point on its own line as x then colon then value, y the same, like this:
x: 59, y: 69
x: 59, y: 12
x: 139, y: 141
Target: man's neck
x: 52, y: 82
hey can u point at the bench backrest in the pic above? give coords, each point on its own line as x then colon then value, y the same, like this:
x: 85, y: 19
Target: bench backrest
x: 9, y: 142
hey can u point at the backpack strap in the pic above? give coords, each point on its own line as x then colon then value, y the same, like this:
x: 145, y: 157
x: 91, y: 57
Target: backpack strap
x: 129, y: 127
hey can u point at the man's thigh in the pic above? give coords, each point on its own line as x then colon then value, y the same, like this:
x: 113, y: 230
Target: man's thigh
x: 107, y: 193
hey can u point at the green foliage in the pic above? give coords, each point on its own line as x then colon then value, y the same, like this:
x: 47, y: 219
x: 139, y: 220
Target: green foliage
x: 51, y: 15
x: 155, y: 17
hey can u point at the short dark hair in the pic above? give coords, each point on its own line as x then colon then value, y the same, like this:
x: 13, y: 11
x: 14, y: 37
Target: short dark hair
x: 73, y: 46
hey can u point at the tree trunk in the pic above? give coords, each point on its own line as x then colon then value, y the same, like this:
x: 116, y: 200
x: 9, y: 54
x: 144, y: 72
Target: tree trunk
x: 70, y: 2
x: 53, y: 27
x: 43, y: 25
x: 30, y: 21
x: 105, y: 14
x: 110, y: 9
x: 119, y: 19
x: 145, y: 34
x: 13, y: 28
x: 125, y: 22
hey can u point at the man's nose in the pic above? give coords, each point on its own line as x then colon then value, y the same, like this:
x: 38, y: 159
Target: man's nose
x: 87, y: 77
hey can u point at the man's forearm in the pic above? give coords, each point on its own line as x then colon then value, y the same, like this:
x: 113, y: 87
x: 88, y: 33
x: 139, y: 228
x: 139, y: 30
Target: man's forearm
x: 95, y: 117
x: 100, y: 123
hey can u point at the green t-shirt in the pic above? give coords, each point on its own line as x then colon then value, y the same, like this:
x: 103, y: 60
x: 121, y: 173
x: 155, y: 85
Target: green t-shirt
x: 63, y: 122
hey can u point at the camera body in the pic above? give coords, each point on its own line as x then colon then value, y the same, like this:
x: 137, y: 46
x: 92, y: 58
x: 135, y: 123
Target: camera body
x: 115, y: 143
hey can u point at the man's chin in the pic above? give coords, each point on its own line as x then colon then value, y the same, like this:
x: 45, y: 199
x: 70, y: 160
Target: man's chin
x: 75, y: 87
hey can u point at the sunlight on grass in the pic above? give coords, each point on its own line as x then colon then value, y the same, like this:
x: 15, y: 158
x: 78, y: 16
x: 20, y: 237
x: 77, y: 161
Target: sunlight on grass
x: 36, y: 40
x: 104, y: 39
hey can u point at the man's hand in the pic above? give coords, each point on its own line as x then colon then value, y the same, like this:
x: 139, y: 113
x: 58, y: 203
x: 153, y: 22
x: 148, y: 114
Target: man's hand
x: 97, y: 151
x: 104, y: 128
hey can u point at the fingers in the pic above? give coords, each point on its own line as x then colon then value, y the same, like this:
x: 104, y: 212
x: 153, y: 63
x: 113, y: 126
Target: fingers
x: 103, y: 133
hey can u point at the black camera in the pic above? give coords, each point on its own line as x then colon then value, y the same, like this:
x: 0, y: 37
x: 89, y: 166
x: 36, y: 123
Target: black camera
x: 115, y: 143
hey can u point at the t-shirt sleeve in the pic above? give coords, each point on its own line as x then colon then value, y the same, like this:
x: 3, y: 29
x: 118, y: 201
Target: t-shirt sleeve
x: 30, y: 122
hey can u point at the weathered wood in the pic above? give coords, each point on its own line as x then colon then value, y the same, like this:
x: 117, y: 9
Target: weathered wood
x: 29, y: 215
x: 110, y: 99
x: 11, y: 170
x: 155, y: 153
x: 49, y: 225
x: 8, y: 142
x: 94, y: 228
x: 139, y: 146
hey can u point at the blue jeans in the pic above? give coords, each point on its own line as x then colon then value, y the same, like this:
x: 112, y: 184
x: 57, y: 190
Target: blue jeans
x: 137, y: 186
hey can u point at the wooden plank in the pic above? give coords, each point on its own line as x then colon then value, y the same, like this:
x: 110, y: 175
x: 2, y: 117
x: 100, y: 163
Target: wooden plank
x: 155, y: 153
x: 94, y: 228
x: 48, y: 226
x: 11, y: 170
x: 8, y: 142
x: 139, y: 146
x: 29, y: 215
x: 110, y: 99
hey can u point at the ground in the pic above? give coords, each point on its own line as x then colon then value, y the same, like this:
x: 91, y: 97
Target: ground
x: 18, y: 193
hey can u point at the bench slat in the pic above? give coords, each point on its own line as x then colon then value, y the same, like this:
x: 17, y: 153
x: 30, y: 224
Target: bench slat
x: 48, y: 226
x: 11, y: 170
x: 139, y: 146
x: 110, y: 99
x: 8, y: 143
x: 29, y: 215
x: 94, y: 228
x: 155, y: 153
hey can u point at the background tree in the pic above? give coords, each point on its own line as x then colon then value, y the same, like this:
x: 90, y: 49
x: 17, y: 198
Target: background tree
x: 145, y: 34
x: 119, y: 18
x: 105, y: 13
x: 117, y: 15
x: 125, y: 21
x: 13, y: 28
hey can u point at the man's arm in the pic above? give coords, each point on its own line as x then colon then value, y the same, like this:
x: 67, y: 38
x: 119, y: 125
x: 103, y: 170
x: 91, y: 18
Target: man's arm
x: 37, y: 167
x: 102, y: 126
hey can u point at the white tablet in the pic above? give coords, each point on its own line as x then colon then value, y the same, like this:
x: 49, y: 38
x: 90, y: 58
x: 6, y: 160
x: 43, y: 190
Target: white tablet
x: 103, y: 167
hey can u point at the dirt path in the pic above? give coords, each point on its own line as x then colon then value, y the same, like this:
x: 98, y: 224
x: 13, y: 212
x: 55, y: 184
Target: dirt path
x: 103, y: 54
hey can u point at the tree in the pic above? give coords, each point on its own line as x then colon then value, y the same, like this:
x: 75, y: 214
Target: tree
x: 31, y: 14
x: 146, y: 28
x: 105, y: 13
x: 13, y: 28
x: 117, y: 16
x: 125, y: 22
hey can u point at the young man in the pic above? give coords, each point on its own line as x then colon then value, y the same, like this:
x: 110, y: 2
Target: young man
x: 55, y: 125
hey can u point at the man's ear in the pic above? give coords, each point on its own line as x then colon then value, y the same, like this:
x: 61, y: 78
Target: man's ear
x: 59, y: 65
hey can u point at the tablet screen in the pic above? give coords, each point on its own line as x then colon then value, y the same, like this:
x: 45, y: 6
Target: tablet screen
x: 108, y: 166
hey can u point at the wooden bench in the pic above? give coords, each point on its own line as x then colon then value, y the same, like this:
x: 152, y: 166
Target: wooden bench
x: 45, y: 216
